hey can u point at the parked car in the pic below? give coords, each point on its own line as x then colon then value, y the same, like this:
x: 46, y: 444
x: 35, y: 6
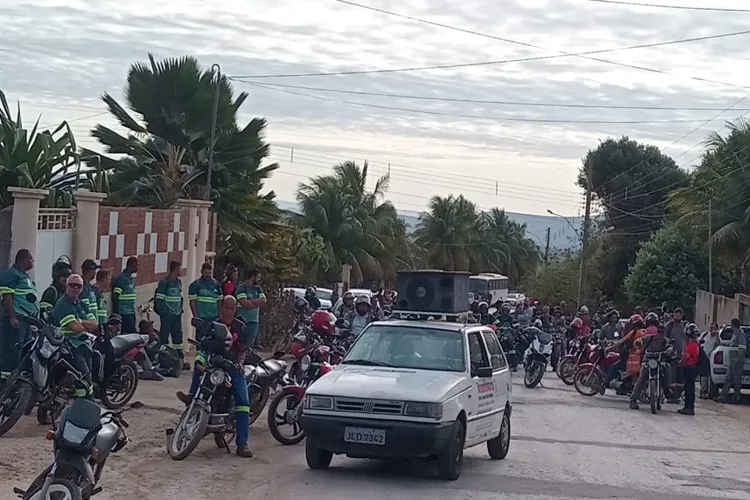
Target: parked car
x: 300, y: 292
x: 719, y: 359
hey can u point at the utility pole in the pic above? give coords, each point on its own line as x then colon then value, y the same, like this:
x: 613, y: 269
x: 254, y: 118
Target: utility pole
x: 216, y: 70
x: 546, y: 248
x: 586, y: 231
x: 710, y: 260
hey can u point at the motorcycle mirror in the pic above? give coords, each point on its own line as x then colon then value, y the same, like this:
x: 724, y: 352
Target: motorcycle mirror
x: 30, y: 298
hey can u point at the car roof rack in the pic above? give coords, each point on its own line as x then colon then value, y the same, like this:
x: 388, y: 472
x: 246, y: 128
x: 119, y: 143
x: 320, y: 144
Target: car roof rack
x: 464, y: 317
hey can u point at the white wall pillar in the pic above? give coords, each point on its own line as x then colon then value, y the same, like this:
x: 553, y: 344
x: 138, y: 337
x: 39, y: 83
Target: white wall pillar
x: 87, y: 226
x: 25, y: 219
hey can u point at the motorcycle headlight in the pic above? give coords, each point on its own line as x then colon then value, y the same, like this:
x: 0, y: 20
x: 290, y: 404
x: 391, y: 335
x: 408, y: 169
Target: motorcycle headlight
x: 217, y: 377
x: 47, y: 349
x: 319, y: 402
x: 652, y: 363
x: 427, y: 410
x: 73, y: 434
x: 305, y: 362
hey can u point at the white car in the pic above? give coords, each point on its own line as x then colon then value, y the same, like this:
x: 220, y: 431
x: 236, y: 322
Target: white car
x: 300, y: 292
x: 412, y: 389
x: 719, y: 359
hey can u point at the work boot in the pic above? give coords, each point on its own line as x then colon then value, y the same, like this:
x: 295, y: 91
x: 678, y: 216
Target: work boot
x: 634, y: 405
x: 185, y: 398
x: 686, y: 411
x: 244, y: 451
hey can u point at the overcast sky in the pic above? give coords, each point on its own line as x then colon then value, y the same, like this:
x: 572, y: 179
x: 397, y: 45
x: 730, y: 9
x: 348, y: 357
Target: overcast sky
x: 58, y: 56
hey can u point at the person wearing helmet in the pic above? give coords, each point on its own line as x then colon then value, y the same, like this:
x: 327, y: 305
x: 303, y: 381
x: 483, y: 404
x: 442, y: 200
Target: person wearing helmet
x: 60, y: 272
x: 504, y: 319
x: 583, y: 313
x: 345, y: 305
x: 312, y: 299
x: 625, y: 347
x: 689, y: 364
x: 576, y: 328
x: 323, y: 323
x: 474, y: 307
x: 652, y: 323
x: 611, y: 329
x: 360, y: 316
x: 654, y: 344
x: 483, y: 314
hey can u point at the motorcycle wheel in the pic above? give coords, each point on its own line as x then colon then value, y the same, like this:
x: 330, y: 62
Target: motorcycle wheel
x: 533, y: 375
x: 60, y: 489
x: 32, y: 402
x: 14, y: 405
x: 566, y: 370
x: 288, y: 401
x: 653, y: 395
x: 580, y: 381
x: 258, y: 402
x: 189, y: 432
x: 120, y: 387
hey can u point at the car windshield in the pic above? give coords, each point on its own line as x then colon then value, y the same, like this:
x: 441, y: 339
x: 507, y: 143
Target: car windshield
x: 323, y: 295
x: 419, y: 348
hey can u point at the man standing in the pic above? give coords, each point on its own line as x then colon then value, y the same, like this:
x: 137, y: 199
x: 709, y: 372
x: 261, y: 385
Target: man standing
x: 88, y: 295
x: 251, y: 298
x: 612, y: 326
x: 168, y: 305
x: 75, y: 320
x: 203, y: 296
x: 15, y: 287
x: 123, y: 295
x: 710, y: 341
x: 737, y: 349
x: 60, y: 272
x: 675, y: 332
x: 103, y: 282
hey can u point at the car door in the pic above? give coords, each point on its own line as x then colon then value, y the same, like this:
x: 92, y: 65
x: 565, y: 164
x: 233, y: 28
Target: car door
x: 500, y: 376
x: 479, y: 420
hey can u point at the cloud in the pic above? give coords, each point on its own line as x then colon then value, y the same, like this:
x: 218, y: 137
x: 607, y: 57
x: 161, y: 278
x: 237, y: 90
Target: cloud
x: 60, y: 56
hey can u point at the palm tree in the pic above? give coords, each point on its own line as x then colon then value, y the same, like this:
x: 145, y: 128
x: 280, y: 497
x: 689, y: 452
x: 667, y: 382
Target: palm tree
x: 39, y: 159
x: 164, y: 154
x: 508, y: 249
x: 357, y: 225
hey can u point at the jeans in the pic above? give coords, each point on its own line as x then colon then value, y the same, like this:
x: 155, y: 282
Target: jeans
x: 241, y: 401
x: 612, y: 371
x: 11, y: 341
x: 128, y: 323
x: 643, y: 379
x: 689, y: 373
x: 171, y: 329
x: 82, y: 357
x: 252, y: 334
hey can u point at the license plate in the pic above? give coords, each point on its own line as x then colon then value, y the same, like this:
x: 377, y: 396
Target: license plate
x: 362, y: 435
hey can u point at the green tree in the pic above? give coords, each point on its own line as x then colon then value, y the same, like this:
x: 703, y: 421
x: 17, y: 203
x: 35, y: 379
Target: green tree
x: 556, y: 282
x: 507, y: 248
x: 357, y: 225
x: 164, y: 154
x: 39, y: 159
x: 669, y: 268
x: 630, y: 182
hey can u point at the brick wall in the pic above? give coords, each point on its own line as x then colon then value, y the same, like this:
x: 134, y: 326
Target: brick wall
x: 156, y: 237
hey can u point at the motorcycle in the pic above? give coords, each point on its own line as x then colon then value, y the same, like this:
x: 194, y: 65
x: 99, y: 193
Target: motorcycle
x: 658, y: 364
x: 558, y: 348
x: 114, y: 370
x: 289, y: 399
x: 536, y: 356
x: 579, y: 350
x: 83, y: 441
x: 508, y: 341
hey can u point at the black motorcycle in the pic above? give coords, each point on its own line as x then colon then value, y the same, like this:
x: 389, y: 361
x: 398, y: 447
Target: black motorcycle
x: 659, y: 364
x: 82, y: 443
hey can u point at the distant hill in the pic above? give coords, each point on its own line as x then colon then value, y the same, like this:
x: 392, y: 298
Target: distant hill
x: 562, y: 236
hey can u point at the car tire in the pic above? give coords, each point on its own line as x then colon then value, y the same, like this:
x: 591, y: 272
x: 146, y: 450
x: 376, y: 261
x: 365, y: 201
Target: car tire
x: 498, y: 448
x: 450, y: 460
x: 317, y: 458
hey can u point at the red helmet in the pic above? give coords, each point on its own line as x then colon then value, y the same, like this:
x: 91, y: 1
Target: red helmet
x: 323, y: 323
x: 577, y: 324
x: 635, y: 318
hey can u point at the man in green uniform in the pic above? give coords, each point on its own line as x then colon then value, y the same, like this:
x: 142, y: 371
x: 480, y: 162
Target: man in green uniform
x: 737, y: 350
x: 60, y: 272
x: 15, y: 288
x: 123, y: 296
x: 168, y: 305
x: 103, y: 283
x: 251, y: 298
x: 88, y: 295
x: 74, y: 319
x: 203, y: 295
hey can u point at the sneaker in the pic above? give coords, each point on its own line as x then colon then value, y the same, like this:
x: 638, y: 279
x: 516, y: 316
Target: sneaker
x: 244, y: 451
x: 185, y: 398
x: 634, y: 405
x: 686, y: 411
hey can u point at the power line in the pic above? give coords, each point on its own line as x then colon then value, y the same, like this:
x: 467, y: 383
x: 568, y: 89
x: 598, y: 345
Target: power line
x: 481, y: 101
x: 479, y: 117
x: 677, y: 7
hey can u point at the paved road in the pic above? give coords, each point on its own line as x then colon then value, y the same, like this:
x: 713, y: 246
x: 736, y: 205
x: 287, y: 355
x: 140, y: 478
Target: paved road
x: 564, y: 446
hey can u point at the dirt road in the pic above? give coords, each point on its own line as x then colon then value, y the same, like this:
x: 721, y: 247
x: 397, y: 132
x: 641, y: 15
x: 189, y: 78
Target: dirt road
x: 564, y: 446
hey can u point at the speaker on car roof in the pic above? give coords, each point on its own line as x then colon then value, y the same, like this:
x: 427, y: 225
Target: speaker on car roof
x: 444, y: 292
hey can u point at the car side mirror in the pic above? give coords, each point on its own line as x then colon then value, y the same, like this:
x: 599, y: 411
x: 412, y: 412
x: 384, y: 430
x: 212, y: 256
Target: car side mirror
x: 484, y: 372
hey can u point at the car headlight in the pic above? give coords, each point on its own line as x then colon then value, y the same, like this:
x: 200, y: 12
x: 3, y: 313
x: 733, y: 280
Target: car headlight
x: 305, y: 362
x: 652, y: 363
x: 319, y: 402
x: 426, y: 410
x: 73, y: 434
x: 217, y: 377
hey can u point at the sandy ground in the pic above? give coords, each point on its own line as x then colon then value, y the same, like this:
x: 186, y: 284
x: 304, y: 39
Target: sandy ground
x: 564, y: 446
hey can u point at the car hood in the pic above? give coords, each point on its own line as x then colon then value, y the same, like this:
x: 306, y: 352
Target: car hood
x: 399, y: 384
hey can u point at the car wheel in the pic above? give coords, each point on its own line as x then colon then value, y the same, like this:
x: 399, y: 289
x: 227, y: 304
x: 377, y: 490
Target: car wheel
x: 317, y: 457
x: 451, y: 459
x: 498, y: 448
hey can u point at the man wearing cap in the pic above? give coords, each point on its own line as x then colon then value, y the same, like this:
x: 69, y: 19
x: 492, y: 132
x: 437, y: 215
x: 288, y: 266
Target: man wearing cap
x: 123, y: 295
x: 75, y: 320
x: 88, y: 294
x: 168, y: 305
x: 15, y: 287
x: 203, y: 295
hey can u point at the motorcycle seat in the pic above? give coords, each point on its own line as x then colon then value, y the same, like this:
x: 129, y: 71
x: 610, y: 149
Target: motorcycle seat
x: 123, y: 343
x: 269, y: 370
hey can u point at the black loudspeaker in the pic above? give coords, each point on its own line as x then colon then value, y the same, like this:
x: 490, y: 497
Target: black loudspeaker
x: 444, y: 292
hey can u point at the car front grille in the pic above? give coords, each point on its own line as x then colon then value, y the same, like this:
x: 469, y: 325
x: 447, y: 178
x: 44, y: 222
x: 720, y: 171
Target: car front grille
x: 369, y: 406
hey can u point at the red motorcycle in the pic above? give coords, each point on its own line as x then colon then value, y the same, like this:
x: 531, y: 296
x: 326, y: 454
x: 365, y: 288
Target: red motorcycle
x: 579, y: 351
x: 589, y: 377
